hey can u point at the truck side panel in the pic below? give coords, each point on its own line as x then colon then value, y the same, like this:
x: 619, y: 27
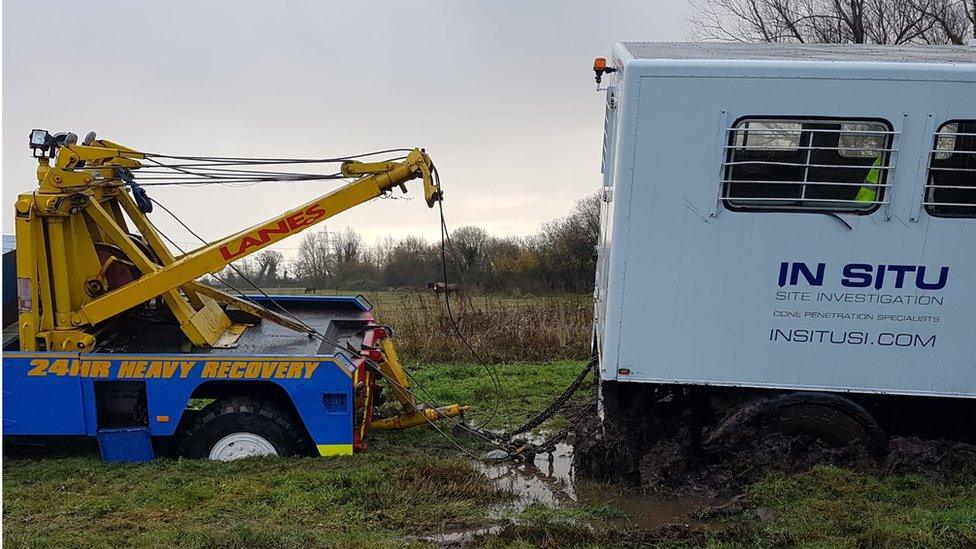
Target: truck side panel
x: 34, y: 404
x: 693, y: 287
x: 55, y: 394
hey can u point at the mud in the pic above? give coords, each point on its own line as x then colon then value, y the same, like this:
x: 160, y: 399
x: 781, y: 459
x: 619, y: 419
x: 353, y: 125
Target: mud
x: 733, y: 468
x: 675, y: 468
x: 552, y: 480
x: 659, y: 452
x: 932, y: 458
x: 671, y: 465
x: 674, y: 493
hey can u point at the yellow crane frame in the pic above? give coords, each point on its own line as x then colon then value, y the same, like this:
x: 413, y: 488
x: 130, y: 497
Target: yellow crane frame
x: 81, y: 201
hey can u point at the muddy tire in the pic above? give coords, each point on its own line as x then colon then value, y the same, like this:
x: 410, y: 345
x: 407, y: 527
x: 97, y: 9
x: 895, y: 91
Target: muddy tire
x: 831, y: 419
x: 239, y: 427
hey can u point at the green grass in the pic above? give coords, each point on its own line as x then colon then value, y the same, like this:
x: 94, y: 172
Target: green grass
x: 826, y: 507
x: 415, y: 482
x: 501, y: 328
x: 367, y: 499
x: 409, y: 482
x: 831, y: 507
x: 524, y: 388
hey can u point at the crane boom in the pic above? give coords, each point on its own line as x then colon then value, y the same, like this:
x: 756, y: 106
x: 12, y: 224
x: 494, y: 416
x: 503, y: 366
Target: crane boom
x: 72, y: 236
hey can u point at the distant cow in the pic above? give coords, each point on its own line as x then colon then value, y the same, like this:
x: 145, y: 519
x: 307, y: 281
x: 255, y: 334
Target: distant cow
x: 311, y: 290
x: 441, y: 288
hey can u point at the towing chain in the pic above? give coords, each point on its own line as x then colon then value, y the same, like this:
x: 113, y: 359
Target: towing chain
x: 526, y: 450
x: 553, y: 407
x: 549, y: 444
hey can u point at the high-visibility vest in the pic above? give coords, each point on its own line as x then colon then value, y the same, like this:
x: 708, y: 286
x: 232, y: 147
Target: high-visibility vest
x: 866, y: 193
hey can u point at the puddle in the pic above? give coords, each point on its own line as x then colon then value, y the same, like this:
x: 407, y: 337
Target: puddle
x: 547, y: 480
x: 550, y: 479
x: 459, y: 538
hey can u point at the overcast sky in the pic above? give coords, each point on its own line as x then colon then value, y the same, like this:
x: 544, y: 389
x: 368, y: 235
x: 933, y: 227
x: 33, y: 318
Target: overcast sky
x: 499, y: 92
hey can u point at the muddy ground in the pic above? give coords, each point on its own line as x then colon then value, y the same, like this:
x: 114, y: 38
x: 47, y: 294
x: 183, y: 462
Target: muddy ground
x: 672, y: 466
x: 678, y: 499
x: 554, y: 506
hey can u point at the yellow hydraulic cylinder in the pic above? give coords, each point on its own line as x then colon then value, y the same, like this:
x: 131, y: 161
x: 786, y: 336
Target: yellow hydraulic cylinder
x: 419, y: 417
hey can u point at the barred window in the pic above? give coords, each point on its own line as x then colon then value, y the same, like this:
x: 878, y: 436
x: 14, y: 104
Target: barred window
x: 951, y: 187
x: 821, y: 165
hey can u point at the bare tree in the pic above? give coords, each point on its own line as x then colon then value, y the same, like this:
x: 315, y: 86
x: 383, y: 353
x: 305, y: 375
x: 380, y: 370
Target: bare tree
x: 268, y: 263
x: 312, y: 261
x: 748, y: 20
x: 558, y: 258
x: 835, y: 21
x: 471, y: 245
x: 347, y: 247
x: 566, y: 246
x: 953, y: 21
x: 348, y: 257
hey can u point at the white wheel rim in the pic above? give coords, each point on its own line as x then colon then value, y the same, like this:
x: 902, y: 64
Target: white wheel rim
x: 241, y: 445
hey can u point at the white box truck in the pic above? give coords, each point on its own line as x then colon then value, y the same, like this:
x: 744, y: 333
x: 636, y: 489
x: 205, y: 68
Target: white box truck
x: 790, y: 225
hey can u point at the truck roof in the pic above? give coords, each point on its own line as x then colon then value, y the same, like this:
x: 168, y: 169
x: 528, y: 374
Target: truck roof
x: 802, y: 52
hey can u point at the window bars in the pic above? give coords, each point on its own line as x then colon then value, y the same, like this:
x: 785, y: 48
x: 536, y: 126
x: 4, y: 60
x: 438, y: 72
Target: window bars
x: 950, y: 189
x: 807, y: 165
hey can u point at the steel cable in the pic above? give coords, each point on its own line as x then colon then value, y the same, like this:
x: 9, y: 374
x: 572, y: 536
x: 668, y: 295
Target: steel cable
x: 212, y: 175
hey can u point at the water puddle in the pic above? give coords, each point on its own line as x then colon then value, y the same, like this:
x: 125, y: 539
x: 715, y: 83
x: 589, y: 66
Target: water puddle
x: 547, y: 480
x: 550, y: 480
x: 459, y: 538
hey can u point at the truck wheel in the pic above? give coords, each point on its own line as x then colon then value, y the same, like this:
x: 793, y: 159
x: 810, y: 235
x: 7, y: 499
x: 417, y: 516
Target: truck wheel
x: 833, y: 419
x: 239, y: 427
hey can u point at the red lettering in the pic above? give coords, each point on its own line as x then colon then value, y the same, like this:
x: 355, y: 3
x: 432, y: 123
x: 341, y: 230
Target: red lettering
x: 248, y: 242
x: 295, y: 221
x: 315, y: 212
x: 263, y: 235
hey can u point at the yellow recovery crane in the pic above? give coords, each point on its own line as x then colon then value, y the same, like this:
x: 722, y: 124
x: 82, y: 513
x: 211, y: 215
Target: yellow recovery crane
x: 98, y: 353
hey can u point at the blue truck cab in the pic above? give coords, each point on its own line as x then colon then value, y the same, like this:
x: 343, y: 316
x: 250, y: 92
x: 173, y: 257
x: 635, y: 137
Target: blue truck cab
x: 275, y: 392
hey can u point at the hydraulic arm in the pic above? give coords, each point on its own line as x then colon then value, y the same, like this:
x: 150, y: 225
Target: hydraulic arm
x: 79, y: 264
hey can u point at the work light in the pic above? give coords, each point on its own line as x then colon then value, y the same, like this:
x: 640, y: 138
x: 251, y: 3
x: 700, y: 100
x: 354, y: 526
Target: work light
x: 40, y: 139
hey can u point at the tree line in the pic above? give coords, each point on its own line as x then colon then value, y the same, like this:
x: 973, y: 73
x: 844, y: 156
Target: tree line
x: 836, y: 21
x: 558, y: 258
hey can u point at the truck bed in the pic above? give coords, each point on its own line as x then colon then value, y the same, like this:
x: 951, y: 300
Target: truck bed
x: 340, y: 318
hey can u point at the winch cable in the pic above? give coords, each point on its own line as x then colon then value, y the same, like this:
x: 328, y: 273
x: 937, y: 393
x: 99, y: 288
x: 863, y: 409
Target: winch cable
x: 502, y: 440
x: 200, y: 170
x: 338, y: 345
x: 208, y: 176
x: 191, y: 176
x: 493, y: 376
x: 555, y: 406
x: 221, y: 178
x: 446, y: 237
x: 259, y: 160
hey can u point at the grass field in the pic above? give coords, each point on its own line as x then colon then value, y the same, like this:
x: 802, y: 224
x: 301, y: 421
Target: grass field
x: 409, y: 482
x: 499, y: 328
x: 414, y: 483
